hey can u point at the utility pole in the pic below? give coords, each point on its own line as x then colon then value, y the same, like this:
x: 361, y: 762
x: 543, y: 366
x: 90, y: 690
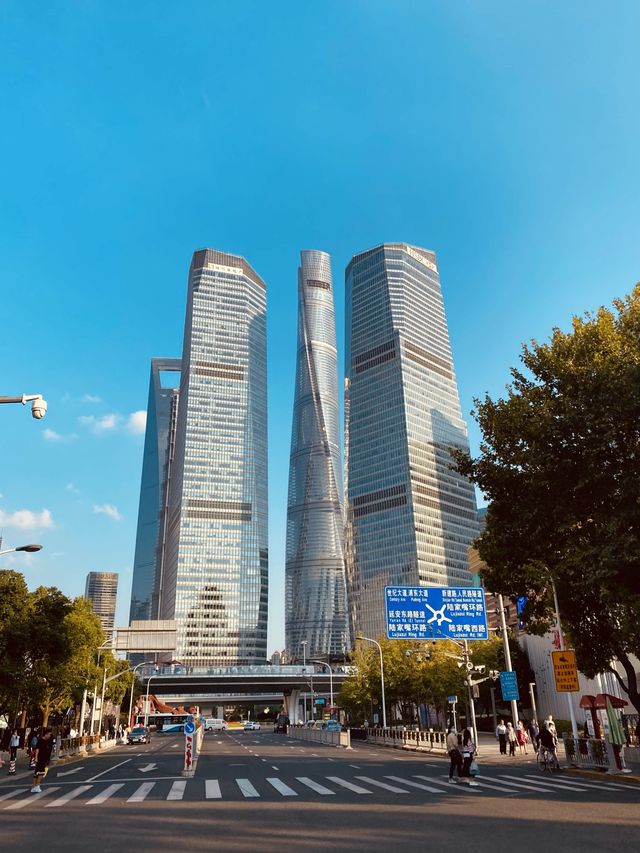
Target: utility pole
x: 507, y: 656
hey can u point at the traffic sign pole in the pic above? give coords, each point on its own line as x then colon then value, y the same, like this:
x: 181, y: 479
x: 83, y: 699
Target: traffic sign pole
x: 572, y: 713
x: 507, y: 657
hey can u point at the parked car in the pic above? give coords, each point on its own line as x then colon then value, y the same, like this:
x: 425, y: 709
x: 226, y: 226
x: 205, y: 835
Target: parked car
x: 215, y: 725
x: 251, y: 726
x: 139, y: 734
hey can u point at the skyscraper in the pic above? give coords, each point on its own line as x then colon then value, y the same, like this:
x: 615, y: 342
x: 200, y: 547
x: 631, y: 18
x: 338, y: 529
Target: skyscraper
x: 215, y: 575
x: 101, y: 589
x: 315, y: 594
x: 161, y: 411
x: 409, y: 517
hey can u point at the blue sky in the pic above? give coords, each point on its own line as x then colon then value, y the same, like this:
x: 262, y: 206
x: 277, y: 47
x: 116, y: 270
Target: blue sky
x: 503, y: 136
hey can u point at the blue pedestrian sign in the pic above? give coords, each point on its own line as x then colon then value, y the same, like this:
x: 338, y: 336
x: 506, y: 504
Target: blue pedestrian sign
x: 435, y: 613
x: 509, y: 686
x: 189, y: 728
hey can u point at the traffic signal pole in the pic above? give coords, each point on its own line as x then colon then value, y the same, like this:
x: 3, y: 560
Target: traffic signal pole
x: 507, y: 656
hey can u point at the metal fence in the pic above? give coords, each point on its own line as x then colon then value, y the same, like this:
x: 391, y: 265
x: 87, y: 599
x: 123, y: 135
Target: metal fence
x: 592, y: 753
x: 422, y: 741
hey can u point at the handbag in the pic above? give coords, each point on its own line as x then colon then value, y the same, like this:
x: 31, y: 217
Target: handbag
x: 473, y: 768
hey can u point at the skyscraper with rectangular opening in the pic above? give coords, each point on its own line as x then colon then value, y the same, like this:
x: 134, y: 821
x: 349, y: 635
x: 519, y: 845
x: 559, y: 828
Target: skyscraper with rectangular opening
x: 215, y: 576
x: 409, y: 516
x: 315, y: 594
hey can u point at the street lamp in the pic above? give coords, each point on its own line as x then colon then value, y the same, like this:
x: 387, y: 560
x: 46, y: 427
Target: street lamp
x: 376, y: 643
x: 133, y: 684
x: 324, y: 663
x: 30, y: 549
x: 38, y: 403
x: 146, y: 708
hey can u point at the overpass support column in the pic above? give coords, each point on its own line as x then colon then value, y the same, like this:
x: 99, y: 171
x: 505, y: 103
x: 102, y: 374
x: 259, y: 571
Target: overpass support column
x: 292, y: 704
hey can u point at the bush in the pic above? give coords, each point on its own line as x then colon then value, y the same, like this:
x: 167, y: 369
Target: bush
x: 563, y: 727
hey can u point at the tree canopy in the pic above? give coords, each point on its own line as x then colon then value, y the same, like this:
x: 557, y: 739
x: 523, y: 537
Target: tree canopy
x: 560, y: 465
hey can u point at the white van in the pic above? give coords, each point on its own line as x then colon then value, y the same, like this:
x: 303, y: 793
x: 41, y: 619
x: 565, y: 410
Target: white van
x: 213, y: 725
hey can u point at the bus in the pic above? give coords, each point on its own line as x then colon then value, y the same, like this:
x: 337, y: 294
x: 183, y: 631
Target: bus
x: 167, y: 723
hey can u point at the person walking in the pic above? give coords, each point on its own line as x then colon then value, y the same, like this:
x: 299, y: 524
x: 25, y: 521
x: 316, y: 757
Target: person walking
x: 455, y: 755
x: 521, y: 736
x: 468, y: 752
x: 511, y: 739
x: 501, y: 734
x: 534, y: 733
x: 42, y: 758
x: 32, y: 743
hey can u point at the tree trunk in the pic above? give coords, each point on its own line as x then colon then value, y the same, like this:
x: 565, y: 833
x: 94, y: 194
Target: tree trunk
x: 631, y: 687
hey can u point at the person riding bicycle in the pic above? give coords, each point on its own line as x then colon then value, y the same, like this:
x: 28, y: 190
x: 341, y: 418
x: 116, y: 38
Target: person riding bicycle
x: 549, y: 741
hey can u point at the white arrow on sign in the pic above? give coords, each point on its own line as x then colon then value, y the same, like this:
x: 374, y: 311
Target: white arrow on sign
x: 147, y: 767
x: 69, y: 772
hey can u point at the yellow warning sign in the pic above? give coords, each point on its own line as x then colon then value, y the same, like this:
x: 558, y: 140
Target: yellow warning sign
x: 565, y: 671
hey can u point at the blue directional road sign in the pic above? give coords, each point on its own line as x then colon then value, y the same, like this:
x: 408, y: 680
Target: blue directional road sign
x: 189, y: 728
x: 509, y: 687
x: 435, y: 613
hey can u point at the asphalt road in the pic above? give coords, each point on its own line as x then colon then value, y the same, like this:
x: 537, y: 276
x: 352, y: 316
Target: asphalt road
x: 262, y: 793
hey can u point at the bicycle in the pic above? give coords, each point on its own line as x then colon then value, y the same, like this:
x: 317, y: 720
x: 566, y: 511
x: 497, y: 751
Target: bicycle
x: 547, y: 760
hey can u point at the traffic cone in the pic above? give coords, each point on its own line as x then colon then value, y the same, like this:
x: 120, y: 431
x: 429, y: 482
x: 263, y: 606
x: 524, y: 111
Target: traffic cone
x: 12, y: 767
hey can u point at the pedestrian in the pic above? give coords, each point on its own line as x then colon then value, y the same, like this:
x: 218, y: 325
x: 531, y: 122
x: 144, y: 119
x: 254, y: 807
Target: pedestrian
x: 468, y: 752
x: 551, y: 725
x: 511, y: 739
x: 453, y: 748
x: 33, y: 744
x: 534, y: 732
x: 521, y: 736
x: 14, y: 743
x: 44, y: 749
x: 501, y: 734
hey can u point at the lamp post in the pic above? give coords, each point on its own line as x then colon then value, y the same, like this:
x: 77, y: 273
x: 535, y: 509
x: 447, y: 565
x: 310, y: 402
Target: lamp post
x: 534, y: 712
x: 146, y: 708
x: 304, y: 666
x: 323, y: 663
x: 376, y: 643
x: 133, y: 684
x: 28, y: 548
x: 38, y: 403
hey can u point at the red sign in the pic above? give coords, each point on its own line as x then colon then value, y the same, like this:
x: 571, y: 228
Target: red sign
x: 188, y: 751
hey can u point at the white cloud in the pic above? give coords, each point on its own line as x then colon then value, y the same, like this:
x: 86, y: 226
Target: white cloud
x: 137, y: 422
x: 106, y: 423
x: 71, y: 488
x: 26, y: 519
x: 108, y: 509
x: 51, y: 435
x: 91, y: 398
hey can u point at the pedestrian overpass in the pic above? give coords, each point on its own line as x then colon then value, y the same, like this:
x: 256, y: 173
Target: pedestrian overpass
x: 208, y: 687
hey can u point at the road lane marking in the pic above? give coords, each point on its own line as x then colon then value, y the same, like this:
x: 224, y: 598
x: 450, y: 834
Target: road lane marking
x: 414, y: 784
x: 575, y: 780
x: 12, y: 794
x: 70, y: 795
x: 98, y: 775
x: 529, y: 787
x: 246, y: 788
x: 31, y: 798
x: 104, y: 795
x: 142, y: 793
x: 464, y: 787
x: 349, y: 785
x: 315, y: 786
x: 212, y: 789
x: 177, y: 790
x: 384, y: 785
x: 281, y: 788
x: 273, y: 767
x: 356, y: 766
x: 551, y: 782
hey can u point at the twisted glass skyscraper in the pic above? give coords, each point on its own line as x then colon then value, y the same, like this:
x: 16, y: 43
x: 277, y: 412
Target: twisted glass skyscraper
x: 409, y: 516
x: 215, y: 568
x: 315, y: 606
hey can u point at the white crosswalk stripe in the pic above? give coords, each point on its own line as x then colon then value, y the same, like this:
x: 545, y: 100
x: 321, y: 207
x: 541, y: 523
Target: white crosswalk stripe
x: 445, y: 784
x: 70, y: 795
x: 422, y: 787
x: 246, y: 788
x: 104, y: 795
x: 503, y: 788
x: 212, y: 790
x: 392, y: 788
x: 348, y: 785
x: 530, y: 786
x: 587, y: 783
x: 281, y: 788
x: 548, y: 782
x: 315, y: 786
x: 12, y: 794
x: 177, y: 790
x: 142, y: 793
x: 32, y: 798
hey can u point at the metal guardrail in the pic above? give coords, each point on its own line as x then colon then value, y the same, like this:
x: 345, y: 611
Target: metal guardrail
x: 342, y: 738
x: 590, y: 753
x: 422, y: 741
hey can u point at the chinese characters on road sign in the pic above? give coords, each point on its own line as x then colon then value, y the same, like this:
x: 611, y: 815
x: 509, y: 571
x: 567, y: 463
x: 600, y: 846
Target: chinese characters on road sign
x: 565, y: 672
x: 435, y: 613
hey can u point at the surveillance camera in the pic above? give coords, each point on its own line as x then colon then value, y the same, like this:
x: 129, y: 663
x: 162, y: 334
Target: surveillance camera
x: 469, y: 665
x: 407, y: 654
x: 481, y: 668
x: 38, y: 408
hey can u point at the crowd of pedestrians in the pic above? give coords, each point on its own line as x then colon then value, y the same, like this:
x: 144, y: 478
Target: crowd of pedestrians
x: 524, y: 735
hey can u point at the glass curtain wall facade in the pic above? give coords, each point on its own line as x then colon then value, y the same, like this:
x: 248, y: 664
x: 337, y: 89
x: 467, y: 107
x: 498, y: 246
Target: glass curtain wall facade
x: 152, y: 488
x: 409, y: 517
x: 215, y: 577
x: 315, y: 591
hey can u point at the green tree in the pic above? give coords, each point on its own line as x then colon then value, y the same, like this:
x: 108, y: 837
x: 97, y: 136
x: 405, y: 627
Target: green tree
x: 15, y: 618
x: 559, y: 464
